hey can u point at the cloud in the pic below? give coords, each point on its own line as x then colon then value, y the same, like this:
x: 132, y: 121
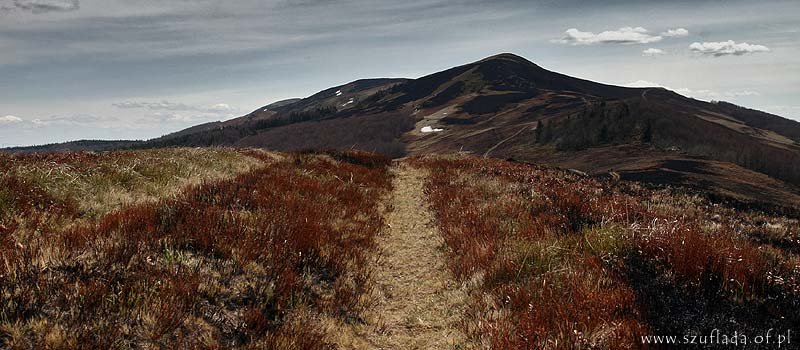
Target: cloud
x: 174, y: 106
x: 176, y: 113
x: 676, y: 33
x: 643, y: 84
x: 40, y: 6
x: 86, y: 120
x: 178, y: 117
x: 784, y: 108
x: 10, y: 119
x: 59, y: 121
x: 723, y: 48
x: 162, y: 105
x: 96, y: 122
x: 624, y: 35
x: 653, y: 52
x: 785, y: 111
x: 702, y: 93
x: 161, y: 115
x: 182, y: 118
x: 221, y: 107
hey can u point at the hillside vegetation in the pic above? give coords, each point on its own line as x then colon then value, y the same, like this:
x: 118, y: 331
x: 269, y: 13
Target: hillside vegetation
x: 564, y: 261
x: 219, y: 248
x: 251, y: 259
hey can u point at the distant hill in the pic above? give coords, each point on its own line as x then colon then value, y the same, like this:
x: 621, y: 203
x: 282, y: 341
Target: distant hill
x: 294, y: 124
x: 81, y: 145
x: 508, y: 107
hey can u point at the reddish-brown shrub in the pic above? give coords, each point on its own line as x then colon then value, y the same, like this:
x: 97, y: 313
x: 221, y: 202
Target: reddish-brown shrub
x: 580, y: 308
x: 688, y: 246
x: 480, y: 226
x: 20, y: 197
x: 359, y: 157
x: 709, y: 261
x: 295, y: 228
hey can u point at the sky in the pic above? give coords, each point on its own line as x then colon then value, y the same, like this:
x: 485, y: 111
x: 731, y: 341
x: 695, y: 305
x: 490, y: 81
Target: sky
x: 137, y: 69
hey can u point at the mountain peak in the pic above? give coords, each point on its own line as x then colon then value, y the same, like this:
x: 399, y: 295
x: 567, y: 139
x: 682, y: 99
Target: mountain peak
x: 506, y: 56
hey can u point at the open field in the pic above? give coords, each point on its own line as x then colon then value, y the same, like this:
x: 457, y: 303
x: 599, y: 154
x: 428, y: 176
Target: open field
x: 238, y: 248
x: 250, y: 259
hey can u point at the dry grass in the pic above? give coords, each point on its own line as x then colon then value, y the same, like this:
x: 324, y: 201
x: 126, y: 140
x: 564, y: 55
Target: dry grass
x: 97, y: 183
x: 222, y: 248
x: 417, y: 303
x: 571, y: 262
x: 253, y: 261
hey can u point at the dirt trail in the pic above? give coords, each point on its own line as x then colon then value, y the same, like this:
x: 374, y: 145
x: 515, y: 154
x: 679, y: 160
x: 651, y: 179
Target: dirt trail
x: 418, y: 304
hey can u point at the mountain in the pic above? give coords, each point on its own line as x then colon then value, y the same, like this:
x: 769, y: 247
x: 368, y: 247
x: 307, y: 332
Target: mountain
x: 508, y: 107
x: 332, y: 118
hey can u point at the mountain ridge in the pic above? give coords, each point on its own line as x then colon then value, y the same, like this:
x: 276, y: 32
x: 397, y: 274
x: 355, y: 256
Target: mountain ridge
x: 506, y: 106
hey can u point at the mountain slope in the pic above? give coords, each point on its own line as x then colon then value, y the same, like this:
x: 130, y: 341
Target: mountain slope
x: 541, y: 116
x: 314, y: 122
x: 508, y: 107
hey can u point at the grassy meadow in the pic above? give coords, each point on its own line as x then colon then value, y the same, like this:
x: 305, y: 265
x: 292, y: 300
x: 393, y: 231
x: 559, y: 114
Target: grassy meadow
x: 217, y: 248
x: 184, y: 248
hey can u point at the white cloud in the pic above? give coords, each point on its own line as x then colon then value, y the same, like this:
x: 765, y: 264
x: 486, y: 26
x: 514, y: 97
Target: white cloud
x: 785, y: 111
x: 642, y: 84
x: 676, y: 33
x: 624, y: 35
x: 784, y: 108
x: 177, y: 117
x: 55, y: 124
x: 166, y: 117
x: 704, y: 93
x: 743, y: 93
x: 653, y: 52
x: 180, y: 118
x: 723, y: 48
x: 174, y: 106
x: 221, y: 107
x: 701, y: 93
x: 40, y: 6
x: 85, y: 120
x: 175, y: 113
x: 160, y: 113
x: 10, y: 119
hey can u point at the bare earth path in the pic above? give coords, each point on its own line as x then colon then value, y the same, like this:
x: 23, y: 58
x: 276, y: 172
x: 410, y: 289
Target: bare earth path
x: 418, y: 304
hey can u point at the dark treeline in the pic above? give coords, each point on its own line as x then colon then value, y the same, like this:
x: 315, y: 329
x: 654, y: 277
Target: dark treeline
x: 295, y: 117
